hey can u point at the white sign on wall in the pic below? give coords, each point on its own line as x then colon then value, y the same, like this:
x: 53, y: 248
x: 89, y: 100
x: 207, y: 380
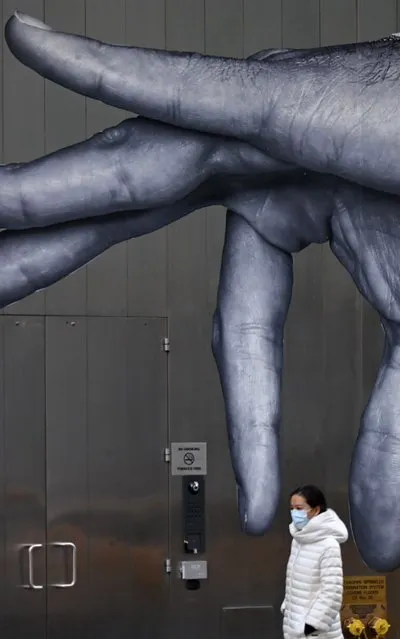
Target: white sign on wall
x: 188, y: 458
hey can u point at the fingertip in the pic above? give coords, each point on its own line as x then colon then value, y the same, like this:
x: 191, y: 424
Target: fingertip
x: 378, y: 544
x: 256, y: 518
x: 10, y: 24
x: 377, y: 553
x: 18, y: 28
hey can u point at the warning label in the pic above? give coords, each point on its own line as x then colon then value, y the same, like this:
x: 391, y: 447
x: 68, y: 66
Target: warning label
x: 188, y: 458
x: 364, y: 590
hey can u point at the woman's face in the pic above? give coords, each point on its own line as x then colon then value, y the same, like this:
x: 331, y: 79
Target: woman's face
x: 298, y: 502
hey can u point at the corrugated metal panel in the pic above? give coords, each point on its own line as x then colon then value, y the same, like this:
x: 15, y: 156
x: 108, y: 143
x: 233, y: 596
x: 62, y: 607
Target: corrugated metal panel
x: 147, y: 256
x: 333, y: 338
x: 23, y: 120
x: 107, y: 276
x: 65, y: 124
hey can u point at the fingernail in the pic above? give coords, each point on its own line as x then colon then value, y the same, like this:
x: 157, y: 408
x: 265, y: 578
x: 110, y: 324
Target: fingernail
x: 31, y: 22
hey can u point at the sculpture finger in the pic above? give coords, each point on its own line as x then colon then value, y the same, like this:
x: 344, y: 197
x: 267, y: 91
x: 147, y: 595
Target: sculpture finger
x: 366, y: 239
x: 331, y: 110
x: 127, y: 167
x: 33, y: 259
x: 253, y: 299
x: 141, y: 80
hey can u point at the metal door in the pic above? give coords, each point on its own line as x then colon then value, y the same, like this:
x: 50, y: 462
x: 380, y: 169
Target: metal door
x: 107, y: 483
x: 22, y: 459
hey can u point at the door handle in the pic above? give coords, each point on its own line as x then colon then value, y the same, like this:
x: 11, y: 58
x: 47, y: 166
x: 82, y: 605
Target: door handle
x: 31, y: 581
x: 66, y: 545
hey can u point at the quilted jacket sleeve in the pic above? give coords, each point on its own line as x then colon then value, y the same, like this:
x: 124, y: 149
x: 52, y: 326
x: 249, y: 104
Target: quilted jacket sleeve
x: 329, y: 599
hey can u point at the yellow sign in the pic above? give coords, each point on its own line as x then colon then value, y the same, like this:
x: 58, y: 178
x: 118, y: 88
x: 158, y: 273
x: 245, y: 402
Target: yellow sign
x: 364, y: 590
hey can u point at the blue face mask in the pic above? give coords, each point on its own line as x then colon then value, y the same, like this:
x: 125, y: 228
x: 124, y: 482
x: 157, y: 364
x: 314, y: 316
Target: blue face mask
x: 299, y: 518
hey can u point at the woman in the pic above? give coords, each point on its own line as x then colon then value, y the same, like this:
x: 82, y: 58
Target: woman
x: 314, y: 579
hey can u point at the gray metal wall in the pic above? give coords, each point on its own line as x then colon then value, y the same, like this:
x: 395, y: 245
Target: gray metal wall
x: 332, y: 340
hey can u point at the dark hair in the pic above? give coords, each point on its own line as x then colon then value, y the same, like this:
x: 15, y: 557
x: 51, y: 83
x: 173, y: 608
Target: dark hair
x: 313, y: 496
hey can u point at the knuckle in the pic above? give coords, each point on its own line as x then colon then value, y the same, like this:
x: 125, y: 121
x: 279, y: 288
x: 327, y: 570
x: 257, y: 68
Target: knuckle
x: 114, y: 136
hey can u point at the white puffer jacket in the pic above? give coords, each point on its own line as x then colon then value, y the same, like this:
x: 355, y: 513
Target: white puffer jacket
x: 314, y: 578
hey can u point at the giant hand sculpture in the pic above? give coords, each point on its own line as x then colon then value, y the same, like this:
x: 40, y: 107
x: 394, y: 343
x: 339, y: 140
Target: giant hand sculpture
x: 301, y: 147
